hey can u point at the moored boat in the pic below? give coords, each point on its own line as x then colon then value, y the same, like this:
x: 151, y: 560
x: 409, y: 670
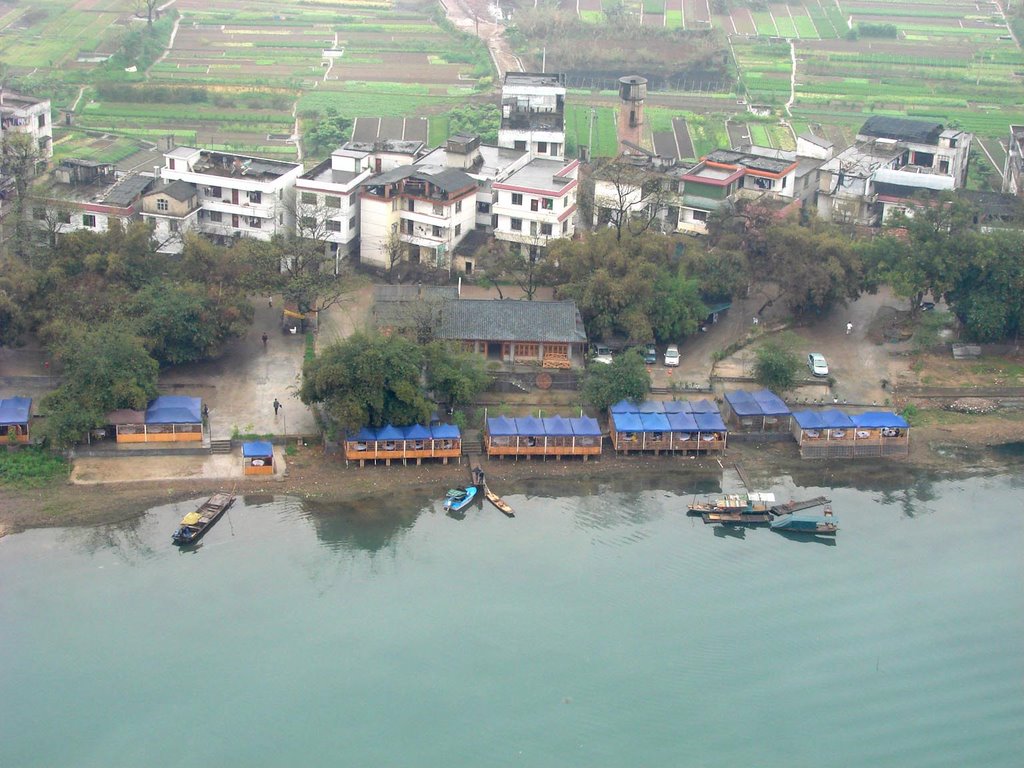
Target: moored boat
x: 195, y: 524
x: 735, y: 518
x: 737, y: 503
x: 459, y: 498
x: 811, y: 525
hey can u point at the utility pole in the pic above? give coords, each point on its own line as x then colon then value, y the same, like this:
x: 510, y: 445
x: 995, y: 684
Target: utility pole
x: 590, y: 138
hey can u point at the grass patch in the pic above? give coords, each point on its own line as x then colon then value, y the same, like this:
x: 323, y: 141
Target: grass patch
x: 31, y: 467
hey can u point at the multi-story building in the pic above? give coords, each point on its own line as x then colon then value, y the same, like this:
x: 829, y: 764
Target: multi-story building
x: 533, y: 114
x: 327, y: 202
x: 417, y: 213
x: 239, y: 196
x: 892, y: 161
x: 24, y: 114
x: 172, y: 208
x: 388, y: 154
x: 1013, y: 171
x: 536, y: 204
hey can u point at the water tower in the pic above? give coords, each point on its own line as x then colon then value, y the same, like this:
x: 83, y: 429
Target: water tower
x: 632, y: 92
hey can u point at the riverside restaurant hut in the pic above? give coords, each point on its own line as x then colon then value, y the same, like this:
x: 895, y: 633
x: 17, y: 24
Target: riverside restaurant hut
x: 15, y: 418
x: 672, y: 425
x: 832, y: 434
x: 555, y: 436
x: 167, y: 419
x: 257, y: 458
x: 390, y: 443
x: 761, y: 411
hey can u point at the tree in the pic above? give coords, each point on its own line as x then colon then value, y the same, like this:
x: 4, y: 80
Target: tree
x: 677, y: 309
x: 19, y: 161
x: 626, y: 377
x: 368, y: 380
x: 528, y: 271
x: 628, y: 197
x: 330, y: 131
x: 146, y: 8
x: 303, y: 271
x: 105, y: 368
x: 456, y: 377
x: 777, y: 365
x: 394, y: 249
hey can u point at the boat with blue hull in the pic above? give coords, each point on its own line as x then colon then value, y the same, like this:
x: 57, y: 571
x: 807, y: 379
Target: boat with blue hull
x: 458, y: 499
x: 809, y: 525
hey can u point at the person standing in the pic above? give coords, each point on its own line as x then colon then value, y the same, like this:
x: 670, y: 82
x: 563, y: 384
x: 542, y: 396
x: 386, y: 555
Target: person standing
x: 277, y: 406
x: 264, y: 337
x: 849, y: 327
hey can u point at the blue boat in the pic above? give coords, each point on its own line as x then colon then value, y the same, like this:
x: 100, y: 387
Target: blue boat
x: 459, y: 498
x: 811, y: 525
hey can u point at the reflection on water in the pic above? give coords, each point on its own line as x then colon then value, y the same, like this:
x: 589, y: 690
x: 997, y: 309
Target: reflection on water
x: 372, y: 523
x: 730, y: 532
x: 828, y: 541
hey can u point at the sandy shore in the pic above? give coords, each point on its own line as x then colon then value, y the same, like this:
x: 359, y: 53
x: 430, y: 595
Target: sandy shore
x: 955, y: 448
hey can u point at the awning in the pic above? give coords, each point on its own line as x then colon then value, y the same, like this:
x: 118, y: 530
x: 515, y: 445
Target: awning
x: 624, y: 406
x: 879, y: 419
x: 681, y: 422
x: 15, y: 410
x: 557, y: 426
x: 530, y: 425
x: 416, y: 432
x: 390, y: 432
x: 627, y: 422
x: 502, y: 426
x: 258, y: 449
x: 654, y: 422
x: 585, y: 426
x: 445, y: 432
x: 709, y: 422
x: 174, y: 409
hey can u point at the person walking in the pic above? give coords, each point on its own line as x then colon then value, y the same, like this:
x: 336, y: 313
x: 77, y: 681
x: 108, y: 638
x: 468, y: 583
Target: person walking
x: 264, y: 337
x: 849, y: 327
x: 277, y: 406
x: 270, y: 302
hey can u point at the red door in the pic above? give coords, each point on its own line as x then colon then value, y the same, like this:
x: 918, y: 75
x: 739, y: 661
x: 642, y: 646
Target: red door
x: 234, y: 196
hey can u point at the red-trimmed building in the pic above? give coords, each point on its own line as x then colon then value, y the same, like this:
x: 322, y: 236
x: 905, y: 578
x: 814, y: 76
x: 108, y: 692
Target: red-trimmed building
x: 536, y: 204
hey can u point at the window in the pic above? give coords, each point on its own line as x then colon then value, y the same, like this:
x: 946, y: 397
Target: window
x: 458, y: 230
x: 534, y: 204
x: 213, y: 191
x: 545, y: 229
x: 162, y: 204
x: 458, y: 206
x: 255, y: 197
x: 517, y: 225
x: 555, y: 148
x: 410, y: 205
x: 255, y: 222
x: 88, y: 220
x: 517, y: 198
x: 332, y: 201
x: 700, y: 215
x: 483, y: 207
x: 394, y: 204
x: 547, y: 204
x: 542, y: 147
x: 174, y: 226
x: 533, y: 228
x: 41, y: 120
x: 308, y: 198
x: 394, y: 228
x: 438, y: 210
x: 64, y: 217
x: 469, y: 267
x: 308, y: 222
x: 565, y: 201
x: 435, y: 231
x: 527, y: 350
x: 216, y: 216
x: 783, y: 182
x: 565, y: 226
x: 520, y: 145
x: 352, y: 199
x: 351, y: 223
x: 334, y: 226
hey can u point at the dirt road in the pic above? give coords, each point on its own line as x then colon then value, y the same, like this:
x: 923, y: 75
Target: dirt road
x: 474, y: 17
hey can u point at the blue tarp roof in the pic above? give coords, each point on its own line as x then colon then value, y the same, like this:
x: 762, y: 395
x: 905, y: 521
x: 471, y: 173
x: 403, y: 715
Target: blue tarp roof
x: 760, y: 403
x: 771, y: 404
x: 15, y: 410
x: 681, y: 422
x: 703, y: 406
x: 530, y: 425
x: 502, y: 426
x: 585, y: 426
x: 557, y: 426
x: 390, y: 432
x: 445, y: 431
x: 879, y: 419
x: 625, y: 406
x: 416, y: 432
x: 709, y: 422
x: 257, y: 449
x: 830, y: 419
x: 364, y: 434
x: 654, y: 422
x: 675, y: 406
x: 174, y: 409
x: 627, y: 422
x: 651, y: 406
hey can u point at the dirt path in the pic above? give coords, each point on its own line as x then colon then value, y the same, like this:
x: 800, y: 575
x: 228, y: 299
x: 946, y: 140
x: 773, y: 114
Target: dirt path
x: 170, y: 42
x: 473, y: 17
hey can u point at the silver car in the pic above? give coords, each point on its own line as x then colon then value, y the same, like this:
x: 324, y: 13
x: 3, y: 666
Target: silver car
x: 816, y: 362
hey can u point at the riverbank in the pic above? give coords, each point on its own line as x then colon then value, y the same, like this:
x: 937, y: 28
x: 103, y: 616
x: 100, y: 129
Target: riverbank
x: 945, y: 445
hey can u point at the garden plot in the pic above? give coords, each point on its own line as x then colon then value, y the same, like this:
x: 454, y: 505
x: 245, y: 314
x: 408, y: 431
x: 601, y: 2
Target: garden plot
x: 696, y: 14
x: 52, y: 33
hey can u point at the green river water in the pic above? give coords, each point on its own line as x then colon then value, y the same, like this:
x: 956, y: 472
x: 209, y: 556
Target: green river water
x: 601, y: 628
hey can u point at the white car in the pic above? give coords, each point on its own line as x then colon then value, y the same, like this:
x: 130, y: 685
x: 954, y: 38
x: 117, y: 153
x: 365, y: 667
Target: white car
x: 816, y: 362
x: 602, y: 354
x: 672, y: 355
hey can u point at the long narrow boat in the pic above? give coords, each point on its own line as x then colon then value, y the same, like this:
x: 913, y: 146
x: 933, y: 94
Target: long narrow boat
x: 811, y: 525
x: 735, y: 518
x: 740, y: 503
x: 195, y: 524
x: 459, y: 498
x: 499, y: 502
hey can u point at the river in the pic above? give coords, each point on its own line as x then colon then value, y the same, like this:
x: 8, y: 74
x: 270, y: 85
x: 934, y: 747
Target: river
x: 601, y: 628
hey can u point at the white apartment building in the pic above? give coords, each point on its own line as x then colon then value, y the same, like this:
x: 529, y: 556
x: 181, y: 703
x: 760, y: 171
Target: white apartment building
x: 86, y: 195
x: 417, y: 213
x: 239, y: 196
x: 537, y: 204
x: 1013, y: 170
x: 24, y: 114
x: 327, y: 201
x: 533, y: 114
x: 388, y: 154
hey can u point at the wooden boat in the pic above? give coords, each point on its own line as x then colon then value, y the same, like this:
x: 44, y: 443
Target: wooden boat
x: 735, y: 518
x: 739, y: 503
x: 811, y: 525
x: 195, y: 524
x: 499, y: 502
x: 459, y: 498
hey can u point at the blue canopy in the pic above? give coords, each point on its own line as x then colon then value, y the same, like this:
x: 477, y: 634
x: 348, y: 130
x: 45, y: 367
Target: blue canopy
x: 703, y: 406
x: 681, y: 422
x: 879, y: 419
x: 771, y: 404
x: 390, y: 432
x: 627, y: 422
x: 830, y: 419
x: 257, y: 449
x: 709, y: 422
x: 502, y: 426
x: 654, y: 422
x: 557, y: 426
x: 625, y: 406
x: 743, y: 403
x: 445, y: 432
x: 365, y: 434
x: 174, y: 409
x: 530, y: 425
x: 585, y: 426
x: 416, y: 432
x: 651, y: 406
x: 15, y: 410
x: 674, y: 406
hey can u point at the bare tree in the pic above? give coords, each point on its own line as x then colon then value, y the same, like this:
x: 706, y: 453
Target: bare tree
x: 147, y: 8
x: 20, y: 161
x: 395, y: 251
x: 629, y: 197
x: 524, y: 267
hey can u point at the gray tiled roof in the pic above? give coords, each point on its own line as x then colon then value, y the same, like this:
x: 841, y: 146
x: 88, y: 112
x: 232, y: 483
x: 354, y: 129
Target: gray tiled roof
x: 512, y: 320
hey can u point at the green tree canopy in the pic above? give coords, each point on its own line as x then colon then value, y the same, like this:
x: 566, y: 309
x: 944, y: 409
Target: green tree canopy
x: 455, y: 376
x: 778, y: 365
x: 626, y: 377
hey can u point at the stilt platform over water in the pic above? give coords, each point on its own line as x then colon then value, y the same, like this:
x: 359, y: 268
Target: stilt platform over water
x: 795, y: 506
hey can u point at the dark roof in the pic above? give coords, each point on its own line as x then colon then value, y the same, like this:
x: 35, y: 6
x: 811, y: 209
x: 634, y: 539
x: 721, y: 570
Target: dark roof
x: 403, y: 306
x: 512, y: 320
x: 549, y: 79
x: 445, y: 179
x: 902, y: 129
x: 177, y: 189
x: 127, y: 191
x: 816, y: 140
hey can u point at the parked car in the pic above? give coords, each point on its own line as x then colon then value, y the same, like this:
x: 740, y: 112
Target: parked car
x: 816, y: 362
x: 672, y: 355
x: 602, y: 354
x: 650, y: 354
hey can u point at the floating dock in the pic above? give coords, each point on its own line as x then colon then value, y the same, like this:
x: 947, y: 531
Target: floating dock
x: 796, y: 506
